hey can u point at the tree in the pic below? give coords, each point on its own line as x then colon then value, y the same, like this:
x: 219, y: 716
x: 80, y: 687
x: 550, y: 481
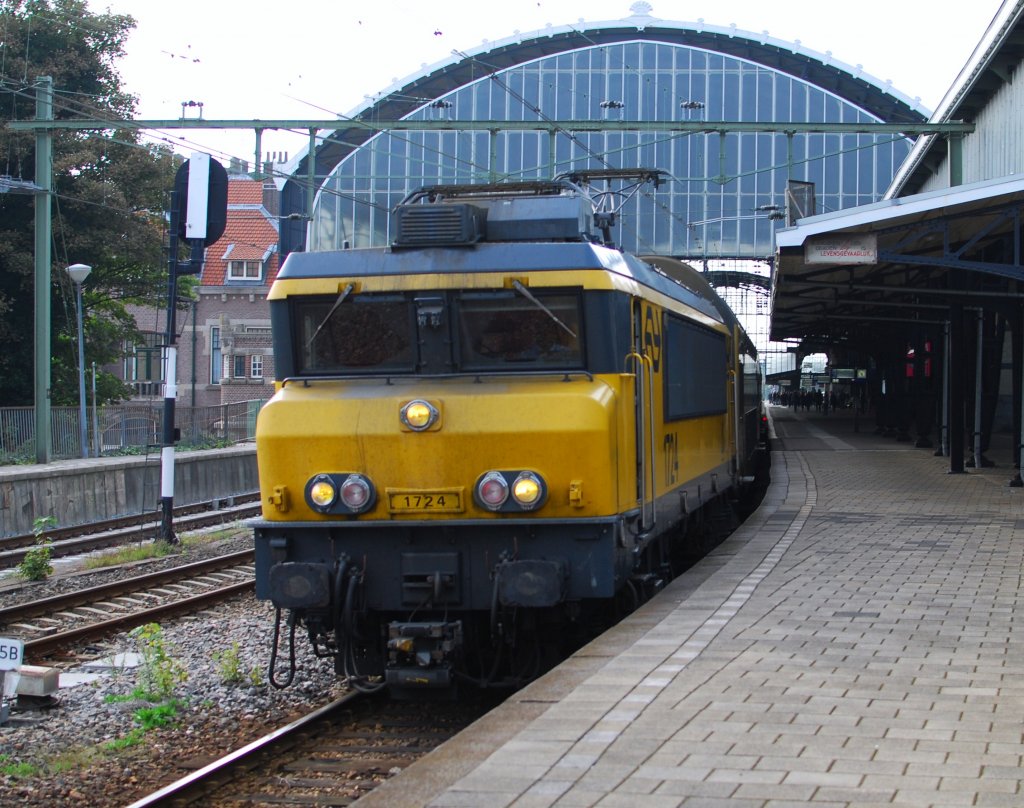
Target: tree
x: 110, y: 194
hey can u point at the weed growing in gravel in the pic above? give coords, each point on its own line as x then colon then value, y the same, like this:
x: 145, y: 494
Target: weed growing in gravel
x: 36, y: 564
x: 229, y: 665
x: 68, y: 760
x: 75, y: 758
x: 211, y: 536
x: 127, y: 555
x: 131, y: 739
x: 159, y: 716
x: 138, y: 694
x: 18, y: 770
x: 156, y: 549
x: 160, y: 672
x: 256, y: 677
x: 229, y: 668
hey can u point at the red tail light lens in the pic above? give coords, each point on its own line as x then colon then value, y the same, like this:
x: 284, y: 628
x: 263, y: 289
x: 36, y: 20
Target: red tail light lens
x: 492, y: 490
x: 355, y: 492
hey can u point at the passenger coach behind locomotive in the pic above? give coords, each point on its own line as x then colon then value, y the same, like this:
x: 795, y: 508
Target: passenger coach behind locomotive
x: 488, y: 433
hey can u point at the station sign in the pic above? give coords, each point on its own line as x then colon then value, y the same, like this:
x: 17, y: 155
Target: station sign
x: 847, y: 249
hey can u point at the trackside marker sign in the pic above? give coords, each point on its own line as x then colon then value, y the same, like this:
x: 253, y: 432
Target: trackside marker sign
x: 11, y: 652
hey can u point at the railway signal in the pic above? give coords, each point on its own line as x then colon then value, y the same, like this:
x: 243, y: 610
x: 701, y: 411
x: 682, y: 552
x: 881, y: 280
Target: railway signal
x: 199, y: 204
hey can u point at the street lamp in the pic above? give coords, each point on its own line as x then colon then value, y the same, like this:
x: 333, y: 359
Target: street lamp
x: 78, y: 273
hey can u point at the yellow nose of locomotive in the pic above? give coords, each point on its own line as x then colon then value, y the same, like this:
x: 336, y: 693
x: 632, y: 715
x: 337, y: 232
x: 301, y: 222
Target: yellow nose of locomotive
x: 537, y: 447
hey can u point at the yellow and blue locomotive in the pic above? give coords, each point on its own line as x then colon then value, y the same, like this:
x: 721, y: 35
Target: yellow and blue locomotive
x: 488, y: 433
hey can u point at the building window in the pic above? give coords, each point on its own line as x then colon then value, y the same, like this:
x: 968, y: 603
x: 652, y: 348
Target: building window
x: 240, y: 364
x: 245, y: 270
x: 256, y: 366
x: 143, y: 365
x: 216, y: 361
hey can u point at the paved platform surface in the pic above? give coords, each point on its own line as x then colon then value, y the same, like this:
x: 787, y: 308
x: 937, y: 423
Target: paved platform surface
x: 854, y: 643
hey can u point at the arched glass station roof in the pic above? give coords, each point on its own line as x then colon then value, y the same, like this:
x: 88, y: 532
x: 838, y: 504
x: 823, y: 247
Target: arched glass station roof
x: 723, y: 188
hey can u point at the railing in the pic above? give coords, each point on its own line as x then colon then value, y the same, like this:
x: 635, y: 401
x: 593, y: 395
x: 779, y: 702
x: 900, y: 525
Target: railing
x: 124, y: 429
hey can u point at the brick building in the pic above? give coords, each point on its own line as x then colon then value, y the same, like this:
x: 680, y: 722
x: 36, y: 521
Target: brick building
x: 224, y: 346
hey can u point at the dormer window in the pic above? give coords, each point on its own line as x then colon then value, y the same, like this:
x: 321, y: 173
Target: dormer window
x: 245, y: 270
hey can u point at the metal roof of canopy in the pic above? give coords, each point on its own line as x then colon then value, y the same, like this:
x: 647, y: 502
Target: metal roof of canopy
x: 821, y: 70
x: 920, y: 239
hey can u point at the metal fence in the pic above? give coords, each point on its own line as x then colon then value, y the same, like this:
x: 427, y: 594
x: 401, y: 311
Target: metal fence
x: 124, y: 429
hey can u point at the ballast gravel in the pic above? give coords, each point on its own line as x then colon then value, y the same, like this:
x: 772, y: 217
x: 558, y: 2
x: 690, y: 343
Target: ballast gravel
x: 89, y: 748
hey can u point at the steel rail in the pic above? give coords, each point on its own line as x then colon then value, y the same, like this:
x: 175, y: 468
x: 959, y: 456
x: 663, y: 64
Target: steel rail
x: 44, y: 646
x: 198, y: 784
x: 58, y: 534
x: 99, y: 541
x: 124, y: 586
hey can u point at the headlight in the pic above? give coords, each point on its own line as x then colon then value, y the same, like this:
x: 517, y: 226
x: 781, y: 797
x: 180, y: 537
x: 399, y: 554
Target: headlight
x: 492, y: 490
x: 322, y: 492
x: 527, y: 490
x: 419, y: 415
x: 511, y: 491
x: 340, y: 493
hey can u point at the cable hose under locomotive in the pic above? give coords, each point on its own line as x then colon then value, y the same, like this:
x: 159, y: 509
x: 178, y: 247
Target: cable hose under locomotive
x: 336, y: 601
x: 345, y: 632
x: 494, y: 611
x: 272, y: 673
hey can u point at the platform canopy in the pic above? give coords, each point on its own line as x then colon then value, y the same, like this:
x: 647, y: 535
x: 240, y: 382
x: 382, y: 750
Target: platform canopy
x: 901, y: 262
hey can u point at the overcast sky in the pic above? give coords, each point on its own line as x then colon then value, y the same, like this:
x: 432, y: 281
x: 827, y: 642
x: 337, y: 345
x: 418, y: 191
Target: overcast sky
x: 322, y: 58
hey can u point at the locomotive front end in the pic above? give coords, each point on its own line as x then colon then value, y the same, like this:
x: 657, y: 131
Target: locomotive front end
x: 442, y: 475
x: 488, y: 438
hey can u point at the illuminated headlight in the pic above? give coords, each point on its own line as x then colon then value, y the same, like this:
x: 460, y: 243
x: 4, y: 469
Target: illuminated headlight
x: 527, y: 490
x: 419, y: 415
x: 356, y: 492
x: 511, y: 491
x: 492, y: 490
x: 322, y: 492
x: 342, y: 493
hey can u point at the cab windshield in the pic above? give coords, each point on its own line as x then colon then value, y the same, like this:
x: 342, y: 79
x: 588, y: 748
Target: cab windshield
x: 437, y: 332
x: 363, y: 333
x: 502, y: 331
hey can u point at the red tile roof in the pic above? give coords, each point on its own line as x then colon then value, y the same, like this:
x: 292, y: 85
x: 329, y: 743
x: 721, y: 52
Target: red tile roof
x: 249, y: 235
x: 245, y: 192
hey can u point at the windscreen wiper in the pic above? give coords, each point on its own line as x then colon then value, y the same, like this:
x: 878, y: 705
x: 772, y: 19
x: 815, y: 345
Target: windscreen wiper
x: 529, y: 296
x: 341, y: 299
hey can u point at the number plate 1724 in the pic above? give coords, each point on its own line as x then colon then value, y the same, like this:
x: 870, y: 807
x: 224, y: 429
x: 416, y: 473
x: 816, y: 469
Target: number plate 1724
x: 440, y: 500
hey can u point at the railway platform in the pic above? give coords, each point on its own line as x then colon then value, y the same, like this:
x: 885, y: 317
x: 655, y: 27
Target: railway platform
x: 855, y: 643
x: 76, y: 492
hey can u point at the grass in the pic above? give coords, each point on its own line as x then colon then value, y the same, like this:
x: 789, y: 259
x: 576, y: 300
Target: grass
x: 18, y: 770
x: 159, y: 715
x: 131, y: 739
x: 126, y: 555
x: 155, y: 549
x: 65, y: 761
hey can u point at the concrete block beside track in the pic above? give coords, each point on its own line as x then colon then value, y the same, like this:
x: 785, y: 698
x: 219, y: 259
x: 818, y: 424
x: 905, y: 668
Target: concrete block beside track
x: 76, y: 492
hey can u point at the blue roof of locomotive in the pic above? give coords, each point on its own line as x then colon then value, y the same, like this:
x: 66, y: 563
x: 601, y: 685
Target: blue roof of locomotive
x: 491, y: 257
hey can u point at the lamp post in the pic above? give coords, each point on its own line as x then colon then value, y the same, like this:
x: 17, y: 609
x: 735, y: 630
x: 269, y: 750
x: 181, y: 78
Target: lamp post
x: 78, y: 273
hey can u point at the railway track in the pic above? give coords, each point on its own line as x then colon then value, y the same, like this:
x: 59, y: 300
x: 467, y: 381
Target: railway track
x: 61, y: 621
x: 333, y: 756
x: 68, y: 541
